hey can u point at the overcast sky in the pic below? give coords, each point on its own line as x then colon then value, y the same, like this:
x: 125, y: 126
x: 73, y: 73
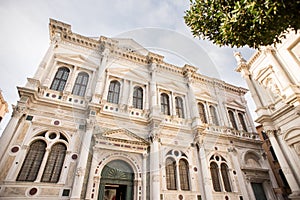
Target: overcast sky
x: 156, y: 24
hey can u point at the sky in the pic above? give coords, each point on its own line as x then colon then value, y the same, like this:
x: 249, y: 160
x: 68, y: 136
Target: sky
x: 158, y: 25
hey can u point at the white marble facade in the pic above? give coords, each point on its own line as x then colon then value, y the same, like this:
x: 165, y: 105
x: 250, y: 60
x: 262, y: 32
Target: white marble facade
x: 272, y: 75
x: 106, y: 113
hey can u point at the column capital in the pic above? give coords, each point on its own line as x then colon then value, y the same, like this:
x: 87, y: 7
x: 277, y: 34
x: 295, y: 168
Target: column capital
x: 272, y: 132
x: 90, y: 123
x: 18, y: 110
x: 199, y: 134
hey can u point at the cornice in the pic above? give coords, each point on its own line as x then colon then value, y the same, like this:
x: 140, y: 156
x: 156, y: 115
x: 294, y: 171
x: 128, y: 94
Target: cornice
x: 63, y: 30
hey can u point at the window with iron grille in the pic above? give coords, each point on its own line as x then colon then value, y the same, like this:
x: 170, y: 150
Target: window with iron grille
x: 33, y: 161
x: 54, y: 163
x: 60, y: 79
x: 202, y: 113
x: 184, y: 174
x: 171, y: 174
x: 225, y: 177
x: 137, y: 98
x: 179, y: 107
x: 164, y: 103
x: 232, y: 119
x: 80, y: 84
x: 113, y: 92
x: 214, y: 170
x: 242, y: 121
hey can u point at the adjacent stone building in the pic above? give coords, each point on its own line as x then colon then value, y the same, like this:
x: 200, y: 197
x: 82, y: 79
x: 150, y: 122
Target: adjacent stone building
x: 104, y: 118
x: 3, y: 106
x: 272, y: 75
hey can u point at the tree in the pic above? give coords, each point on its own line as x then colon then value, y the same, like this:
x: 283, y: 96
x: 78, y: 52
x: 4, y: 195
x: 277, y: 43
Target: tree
x: 245, y: 22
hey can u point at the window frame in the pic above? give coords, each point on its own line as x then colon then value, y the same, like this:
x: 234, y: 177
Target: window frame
x: 79, y: 89
x: 179, y: 106
x: 59, y: 81
x: 136, y: 98
x: 165, y: 106
x: 32, y: 169
x: 113, y: 96
x: 232, y: 119
x: 214, y: 115
x: 242, y: 121
x: 171, y: 173
x: 202, y: 112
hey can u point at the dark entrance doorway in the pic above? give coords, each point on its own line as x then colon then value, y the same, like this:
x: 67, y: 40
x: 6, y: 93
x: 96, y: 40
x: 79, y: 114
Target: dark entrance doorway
x: 259, y: 191
x: 116, y: 181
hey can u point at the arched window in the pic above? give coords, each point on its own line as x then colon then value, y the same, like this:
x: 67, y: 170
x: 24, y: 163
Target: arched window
x: 224, y: 172
x: 60, y: 79
x: 184, y: 174
x: 164, y: 103
x: 213, y: 114
x: 202, y: 113
x: 81, y: 84
x: 171, y: 174
x: 242, y: 121
x: 179, y: 107
x: 54, y: 163
x: 33, y: 161
x: 138, y: 98
x: 113, y: 92
x: 232, y: 119
x: 214, y: 170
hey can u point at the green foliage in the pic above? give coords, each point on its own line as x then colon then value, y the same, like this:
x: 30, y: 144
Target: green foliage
x: 245, y: 22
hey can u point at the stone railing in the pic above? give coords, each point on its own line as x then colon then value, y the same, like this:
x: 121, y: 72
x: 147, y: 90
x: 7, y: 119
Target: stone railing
x: 230, y: 131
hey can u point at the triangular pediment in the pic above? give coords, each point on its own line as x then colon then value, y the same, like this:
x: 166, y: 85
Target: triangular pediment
x: 75, y: 59
x: 235, y: 104
x: 123, y: 135
x: 131, y: 45
x: 128, y: 73
x: 263, y: 73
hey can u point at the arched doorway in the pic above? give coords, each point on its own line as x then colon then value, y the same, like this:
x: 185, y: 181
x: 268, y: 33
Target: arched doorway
x: 116, y: 181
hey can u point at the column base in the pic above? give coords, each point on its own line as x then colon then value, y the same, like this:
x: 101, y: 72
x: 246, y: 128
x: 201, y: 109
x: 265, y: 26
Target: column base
x: 295, y: 195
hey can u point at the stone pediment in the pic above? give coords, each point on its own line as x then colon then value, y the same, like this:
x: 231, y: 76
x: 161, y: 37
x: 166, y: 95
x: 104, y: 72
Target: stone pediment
x: 75, y: 59
x: 128, y: 73
x: 235, y: 104
x: 122, y: 135
x: 131, y: 45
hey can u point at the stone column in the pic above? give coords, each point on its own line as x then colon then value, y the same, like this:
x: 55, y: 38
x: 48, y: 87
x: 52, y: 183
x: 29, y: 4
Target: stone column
x: 205, y: 170
x: 192, y: 102
x: 106, y: 87
x: 83, y: 156
x: 153, y: 93
x: 284, y: 166
x: 146, y: 97
x: 71, y: 80
x: 154, y: 169
x: 240, y: 176
x: 9, y: 130
x: 205, y: 173
x: 172, y: 104
x: 100, y: 77
x: 129, y: 94
x: 144, y: 177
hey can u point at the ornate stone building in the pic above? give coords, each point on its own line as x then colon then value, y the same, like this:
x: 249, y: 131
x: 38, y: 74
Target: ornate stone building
x: 3, y: 106
x: 104, y: 118
x: 283, y: 186
x: 272, y: 75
